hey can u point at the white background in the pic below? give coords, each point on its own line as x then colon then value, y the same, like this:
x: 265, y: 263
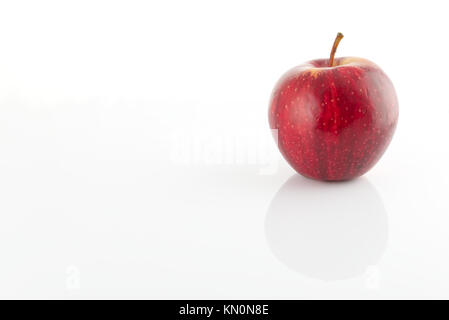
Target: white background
x: 136, y: 159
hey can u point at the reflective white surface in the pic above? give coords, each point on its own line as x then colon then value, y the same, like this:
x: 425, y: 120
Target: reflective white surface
x: 95, y: 203
x: 136, y: 160
x: 331, y: 231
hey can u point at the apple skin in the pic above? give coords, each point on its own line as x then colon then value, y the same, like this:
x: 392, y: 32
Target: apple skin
x: 333, y: 123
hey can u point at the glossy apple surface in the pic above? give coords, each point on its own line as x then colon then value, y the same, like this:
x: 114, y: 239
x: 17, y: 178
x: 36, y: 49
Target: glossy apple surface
x: 333, y: 123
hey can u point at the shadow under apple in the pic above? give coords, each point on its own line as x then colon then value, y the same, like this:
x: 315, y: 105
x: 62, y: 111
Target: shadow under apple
x: 327, y: 231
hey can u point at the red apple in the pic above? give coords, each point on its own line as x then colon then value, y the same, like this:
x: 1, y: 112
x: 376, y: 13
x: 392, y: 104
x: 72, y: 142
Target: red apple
x: 334, y: 118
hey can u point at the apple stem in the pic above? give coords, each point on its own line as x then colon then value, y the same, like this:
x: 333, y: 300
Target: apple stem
x: 334, y: 48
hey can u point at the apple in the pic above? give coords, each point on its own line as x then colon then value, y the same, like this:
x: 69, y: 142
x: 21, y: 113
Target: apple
x: 333, y: 118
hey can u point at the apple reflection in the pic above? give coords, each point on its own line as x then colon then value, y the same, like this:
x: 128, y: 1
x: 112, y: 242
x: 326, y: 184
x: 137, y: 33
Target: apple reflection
x: 327, y: 231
